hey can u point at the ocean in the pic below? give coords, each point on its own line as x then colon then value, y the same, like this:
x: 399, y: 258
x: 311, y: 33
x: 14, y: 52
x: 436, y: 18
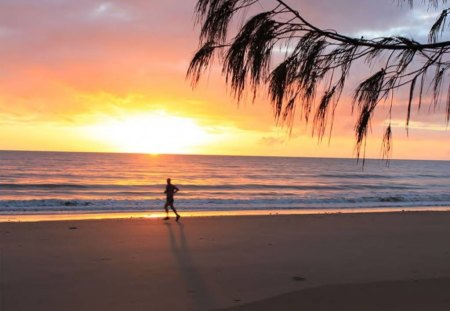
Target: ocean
x: 51, y: 182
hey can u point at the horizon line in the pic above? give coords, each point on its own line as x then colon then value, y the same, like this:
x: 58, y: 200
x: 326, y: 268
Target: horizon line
x: 226, y: 155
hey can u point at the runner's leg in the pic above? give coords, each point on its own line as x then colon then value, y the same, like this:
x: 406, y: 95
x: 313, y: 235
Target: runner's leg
x: 175, y: 211
x: 167, y: 210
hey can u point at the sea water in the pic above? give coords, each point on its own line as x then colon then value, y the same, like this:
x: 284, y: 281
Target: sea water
x: 104, y: 182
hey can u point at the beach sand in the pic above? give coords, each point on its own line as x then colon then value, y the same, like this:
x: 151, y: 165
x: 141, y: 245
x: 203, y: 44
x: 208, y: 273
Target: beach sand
x: 384, y: 261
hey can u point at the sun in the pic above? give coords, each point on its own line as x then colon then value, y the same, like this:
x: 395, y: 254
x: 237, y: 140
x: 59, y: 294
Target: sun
x: 154, y: 133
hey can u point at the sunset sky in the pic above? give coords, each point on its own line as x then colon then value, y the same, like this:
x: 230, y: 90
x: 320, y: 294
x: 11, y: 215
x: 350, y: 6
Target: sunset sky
x: 109, y: 76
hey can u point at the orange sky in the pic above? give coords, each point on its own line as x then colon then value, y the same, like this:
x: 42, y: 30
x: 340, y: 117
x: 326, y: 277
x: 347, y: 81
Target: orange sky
x: 110, y: 76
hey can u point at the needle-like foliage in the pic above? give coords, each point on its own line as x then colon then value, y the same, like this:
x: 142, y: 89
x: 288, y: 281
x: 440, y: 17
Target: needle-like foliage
x: 311, y: 73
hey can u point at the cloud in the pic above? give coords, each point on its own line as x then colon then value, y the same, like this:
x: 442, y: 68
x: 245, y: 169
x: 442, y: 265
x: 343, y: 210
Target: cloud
x: 414, y: 24
x: 435, y: 127
x: 110, y: 10
x: 270, y: 140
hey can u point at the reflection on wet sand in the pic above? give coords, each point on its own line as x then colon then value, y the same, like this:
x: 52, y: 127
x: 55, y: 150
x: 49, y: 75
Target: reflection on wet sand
x: 30, y: 217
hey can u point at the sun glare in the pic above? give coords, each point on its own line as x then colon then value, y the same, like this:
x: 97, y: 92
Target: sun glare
x: 151, y: 133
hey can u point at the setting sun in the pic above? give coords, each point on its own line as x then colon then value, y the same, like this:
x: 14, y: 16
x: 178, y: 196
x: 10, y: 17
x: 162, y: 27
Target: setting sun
x: 151, y: 133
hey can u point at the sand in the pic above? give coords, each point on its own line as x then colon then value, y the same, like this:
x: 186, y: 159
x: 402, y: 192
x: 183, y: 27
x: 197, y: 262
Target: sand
x: 385, y: 261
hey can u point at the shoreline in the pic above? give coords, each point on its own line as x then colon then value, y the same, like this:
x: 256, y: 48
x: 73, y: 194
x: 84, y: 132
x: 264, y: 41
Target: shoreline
x: 63, y: 216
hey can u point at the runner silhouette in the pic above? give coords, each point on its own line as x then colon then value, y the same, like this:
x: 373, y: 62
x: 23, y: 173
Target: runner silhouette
x: 170, y: 192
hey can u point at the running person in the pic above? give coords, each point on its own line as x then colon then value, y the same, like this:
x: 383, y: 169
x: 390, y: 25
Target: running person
x: 170, y: 192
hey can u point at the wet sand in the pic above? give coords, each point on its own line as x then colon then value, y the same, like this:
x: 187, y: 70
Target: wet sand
x: 385, y: 261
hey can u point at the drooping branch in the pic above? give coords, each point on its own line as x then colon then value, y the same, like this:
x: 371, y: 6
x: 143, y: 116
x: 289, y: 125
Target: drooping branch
x: 312, y: 75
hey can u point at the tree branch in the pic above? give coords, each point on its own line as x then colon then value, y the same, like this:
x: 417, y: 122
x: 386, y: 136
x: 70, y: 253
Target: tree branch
x: 316, y: 64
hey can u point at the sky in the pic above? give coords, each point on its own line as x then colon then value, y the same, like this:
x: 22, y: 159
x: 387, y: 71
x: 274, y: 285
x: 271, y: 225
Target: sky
x: 109, y: 76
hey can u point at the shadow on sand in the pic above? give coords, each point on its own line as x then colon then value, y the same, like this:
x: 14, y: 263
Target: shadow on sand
x: 195, y: 285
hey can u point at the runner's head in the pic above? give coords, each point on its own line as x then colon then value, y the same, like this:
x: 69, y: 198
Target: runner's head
x: 168, y: 181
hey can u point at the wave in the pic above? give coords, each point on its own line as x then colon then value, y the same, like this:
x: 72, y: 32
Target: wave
x: 50, y: 205
x: 207, y: 187
x: 341, y: 175
x: 41, y: 186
